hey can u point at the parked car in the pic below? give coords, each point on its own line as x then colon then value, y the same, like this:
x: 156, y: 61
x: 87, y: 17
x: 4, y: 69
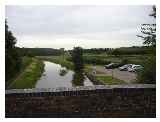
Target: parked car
x: 125, y: 67
x: 135, y: 68
x: 111, y: 65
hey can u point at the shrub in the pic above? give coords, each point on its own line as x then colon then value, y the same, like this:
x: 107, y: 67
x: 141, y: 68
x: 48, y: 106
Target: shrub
x: 148, y: 74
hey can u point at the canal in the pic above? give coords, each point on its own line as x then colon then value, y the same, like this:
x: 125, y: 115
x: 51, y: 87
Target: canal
x: 57, y: 76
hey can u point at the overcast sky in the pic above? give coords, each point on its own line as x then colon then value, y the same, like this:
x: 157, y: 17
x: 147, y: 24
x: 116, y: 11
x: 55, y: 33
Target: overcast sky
x: 85, y: 26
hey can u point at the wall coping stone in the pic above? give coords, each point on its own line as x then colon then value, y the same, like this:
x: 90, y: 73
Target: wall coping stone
x: 80, y: 88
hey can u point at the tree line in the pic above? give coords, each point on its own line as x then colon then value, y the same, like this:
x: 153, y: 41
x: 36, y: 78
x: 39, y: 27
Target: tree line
x: 39, y: 51
x: 120, y: 51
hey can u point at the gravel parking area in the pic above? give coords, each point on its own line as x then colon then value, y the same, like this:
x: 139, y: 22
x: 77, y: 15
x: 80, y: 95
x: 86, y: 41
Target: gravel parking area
x: 126, y: 76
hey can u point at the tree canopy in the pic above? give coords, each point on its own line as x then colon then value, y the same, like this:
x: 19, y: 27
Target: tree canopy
x: 12, y: 58
x: 149, y: 31
x: 148, y: 74
x: 77, y: 58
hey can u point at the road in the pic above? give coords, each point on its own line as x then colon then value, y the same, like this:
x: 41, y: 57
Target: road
x: 126, y: 76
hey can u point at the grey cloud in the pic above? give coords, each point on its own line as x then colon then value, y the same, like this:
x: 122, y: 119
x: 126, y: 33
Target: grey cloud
x: 87, y: 22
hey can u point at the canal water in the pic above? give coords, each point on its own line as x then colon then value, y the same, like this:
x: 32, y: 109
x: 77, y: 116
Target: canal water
x: 57, y: 76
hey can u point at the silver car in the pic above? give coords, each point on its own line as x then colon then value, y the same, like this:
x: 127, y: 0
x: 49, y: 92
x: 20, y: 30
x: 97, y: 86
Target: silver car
x: 135, y: 68
x: 125, y: 67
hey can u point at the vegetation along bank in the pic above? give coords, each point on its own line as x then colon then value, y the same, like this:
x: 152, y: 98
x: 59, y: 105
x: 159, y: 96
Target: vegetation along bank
x: 29, y: 76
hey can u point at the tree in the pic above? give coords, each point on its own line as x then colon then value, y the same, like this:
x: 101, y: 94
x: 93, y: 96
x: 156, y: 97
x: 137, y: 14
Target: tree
x: 149, y: 31
x: 116, y: 52
x: 148, y: 74
x: 77, y: 58
x: 12, y: 57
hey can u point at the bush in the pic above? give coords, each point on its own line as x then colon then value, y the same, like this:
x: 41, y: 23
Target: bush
x: 12, y: 64
x: 123, y: 62
x: 148, y: 74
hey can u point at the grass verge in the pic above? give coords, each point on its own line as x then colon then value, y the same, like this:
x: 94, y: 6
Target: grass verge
x: 108, y: 80
x: 30, y: 75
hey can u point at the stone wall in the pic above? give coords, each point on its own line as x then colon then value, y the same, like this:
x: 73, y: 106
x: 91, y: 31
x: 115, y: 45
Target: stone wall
x: 138, y: 100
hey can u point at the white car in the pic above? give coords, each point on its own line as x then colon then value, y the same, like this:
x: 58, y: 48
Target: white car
x: 110, y: 66
x: 125, y: 67
x: 135, y: 68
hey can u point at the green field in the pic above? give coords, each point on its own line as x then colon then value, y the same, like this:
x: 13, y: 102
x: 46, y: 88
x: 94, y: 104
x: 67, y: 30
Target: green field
x: 102, y: 58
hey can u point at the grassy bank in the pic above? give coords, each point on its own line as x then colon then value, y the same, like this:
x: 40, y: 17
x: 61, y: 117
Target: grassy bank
x: 30, y: 75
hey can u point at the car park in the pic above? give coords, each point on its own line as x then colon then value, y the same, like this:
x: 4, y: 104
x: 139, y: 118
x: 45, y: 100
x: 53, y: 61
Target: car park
x: 135, y: 68
x: 125, y: 67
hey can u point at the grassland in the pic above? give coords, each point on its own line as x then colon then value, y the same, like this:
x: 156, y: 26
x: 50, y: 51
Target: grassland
x: 29, y: 76
x: 102, y: 58
x: 108, y: 80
